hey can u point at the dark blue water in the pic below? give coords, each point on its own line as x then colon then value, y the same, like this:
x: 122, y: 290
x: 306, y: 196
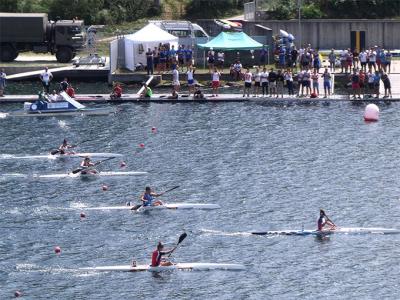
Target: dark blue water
x: 269, y: 167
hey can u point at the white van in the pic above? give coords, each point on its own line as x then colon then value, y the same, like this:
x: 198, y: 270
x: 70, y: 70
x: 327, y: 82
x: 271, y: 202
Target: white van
x: 189, y: 34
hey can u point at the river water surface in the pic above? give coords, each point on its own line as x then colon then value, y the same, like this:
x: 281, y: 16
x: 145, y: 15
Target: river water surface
x: 268, y: 167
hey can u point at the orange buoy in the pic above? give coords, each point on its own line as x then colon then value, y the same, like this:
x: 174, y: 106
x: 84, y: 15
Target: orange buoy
x: 57, y: 249
x: 371, y: 113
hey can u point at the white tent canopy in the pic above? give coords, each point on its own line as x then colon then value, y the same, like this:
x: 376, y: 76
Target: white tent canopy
x: 137, y: 44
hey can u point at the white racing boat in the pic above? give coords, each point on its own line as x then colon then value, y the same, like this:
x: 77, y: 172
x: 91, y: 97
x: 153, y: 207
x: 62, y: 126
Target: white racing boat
x: 61, y: 156
x: 67, y: 107
x: 339, y: 230
x: 178, y: 266
x: 165, y: 206
x: 90, y: 175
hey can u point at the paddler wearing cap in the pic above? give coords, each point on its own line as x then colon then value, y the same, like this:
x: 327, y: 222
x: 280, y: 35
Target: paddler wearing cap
x: 156, y: 257
x: 147, y: 92
x: 148, y: 197
x: 324, y: 220
x: 64, y: 147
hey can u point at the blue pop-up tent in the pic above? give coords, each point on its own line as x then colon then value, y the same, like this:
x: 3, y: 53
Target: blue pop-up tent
x: 232, y: 41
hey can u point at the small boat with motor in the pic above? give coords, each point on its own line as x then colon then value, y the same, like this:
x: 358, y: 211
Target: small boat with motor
x: 67, y: 107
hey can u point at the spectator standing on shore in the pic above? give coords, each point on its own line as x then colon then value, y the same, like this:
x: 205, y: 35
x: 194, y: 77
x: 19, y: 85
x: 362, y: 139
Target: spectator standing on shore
x: 181, y: 56
x: 210, y: 60
x: 300, y: 84
x: 190, y: 79
x: 349, y: 61
x: 388, y: 59
x: 377, y: 79
x: 363, y: 60
x: 327, y: 78
x: 280, y: 80
x: 315, y: 83
x: 248, y: 78
x: 272, y: 76
x: 175, y: 79
x: 163, y: 60
x: 63, y: 85
x: 3, y: 78
x: 343, y: 60
x: 221, y: 61
x: 263, y: 56
x: 257, y: 82
x: 355, y: 84
x: 288, y: 77
x: 215, y: 82
x: 379, y: 57
x: 316, y: 62
x: 156, y: 59
x: 294, y: 54
x: 189, y: 58
x: 264, y: 81
x: 332, y: 60
x: 372, y: 59
x: 237, y: 70
x: 149, y: 62
x: 370, y: 77
x: 306, y: 82
x: 356, y: 59
x: 386, y: 84
x: 46, y: 78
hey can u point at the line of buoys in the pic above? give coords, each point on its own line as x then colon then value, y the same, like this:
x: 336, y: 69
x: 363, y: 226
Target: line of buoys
x: 371, y: 113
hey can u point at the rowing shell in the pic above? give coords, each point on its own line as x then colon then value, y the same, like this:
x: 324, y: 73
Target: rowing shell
x: 341, y: 230
x: 56, y: 156
x: 178, y: 266
x: 165, y: 206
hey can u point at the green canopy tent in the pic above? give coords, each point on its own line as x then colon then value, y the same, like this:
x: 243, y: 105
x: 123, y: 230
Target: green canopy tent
x: 232, y: 41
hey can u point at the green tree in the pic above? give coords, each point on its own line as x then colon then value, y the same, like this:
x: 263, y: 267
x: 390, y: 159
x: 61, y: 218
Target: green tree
x: 207, y: 9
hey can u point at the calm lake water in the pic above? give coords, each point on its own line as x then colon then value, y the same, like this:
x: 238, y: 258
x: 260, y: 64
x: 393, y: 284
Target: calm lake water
x: 268, y: 167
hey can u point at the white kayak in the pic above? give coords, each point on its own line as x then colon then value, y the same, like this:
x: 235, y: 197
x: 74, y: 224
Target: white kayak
x: 339, y: 230
x: 165, y: 206
x: 90, y: 175
x: 57, y: 156
x: 178, y: 266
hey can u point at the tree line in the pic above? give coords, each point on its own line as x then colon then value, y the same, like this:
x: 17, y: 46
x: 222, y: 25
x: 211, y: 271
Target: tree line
x: 118, y: 11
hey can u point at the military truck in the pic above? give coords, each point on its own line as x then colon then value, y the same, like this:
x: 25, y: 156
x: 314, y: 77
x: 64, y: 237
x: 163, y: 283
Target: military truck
x: 21, y: 32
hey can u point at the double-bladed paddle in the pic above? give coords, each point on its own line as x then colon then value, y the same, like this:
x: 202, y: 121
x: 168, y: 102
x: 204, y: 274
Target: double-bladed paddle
x: 80, y: 169
x: 136, y: 207
x: 181, y: 238
x: 56, y: 151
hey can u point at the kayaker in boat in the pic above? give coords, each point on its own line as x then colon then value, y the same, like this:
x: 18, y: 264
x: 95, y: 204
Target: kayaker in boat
x: 87, y: 163
x: 324, y: 221
x: 156, y: 257
x: 64, y: 147
x: 148, y: 198
x: 147, y: 92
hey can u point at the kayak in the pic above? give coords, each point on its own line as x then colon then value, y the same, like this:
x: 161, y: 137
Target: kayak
x: 90, y: 175
x: 165, y: 206
x: 340, y: 230
x: 57, y: 156
x: 178, y: 266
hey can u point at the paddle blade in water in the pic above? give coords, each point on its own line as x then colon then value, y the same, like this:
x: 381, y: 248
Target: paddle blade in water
x: 54, y: 152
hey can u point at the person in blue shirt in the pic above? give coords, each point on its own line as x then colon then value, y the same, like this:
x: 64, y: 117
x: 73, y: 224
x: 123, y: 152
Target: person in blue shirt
x: 377, y: 79
x: 188, y: 58
x: 148, y: 198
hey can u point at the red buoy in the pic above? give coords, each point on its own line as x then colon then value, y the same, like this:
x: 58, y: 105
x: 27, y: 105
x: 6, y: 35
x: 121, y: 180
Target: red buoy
x: 104, y: 187
x: 122, y: 164
x: 17, y: 294
x: 57, y: 249
x: 153, y: 129
x: 141, y: 145
x: 83, y: 215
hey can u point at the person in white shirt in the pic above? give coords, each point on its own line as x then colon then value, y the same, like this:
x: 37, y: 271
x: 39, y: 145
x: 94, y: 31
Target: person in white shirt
x: 46, y: 78
x: 215, y: 82
x: 221, y: 60
x: 363, y: 60
x: 175, y: 79
x: 371, y: 59
x: 248, y: 78
x: 264, y: 81
x: 190, y: 79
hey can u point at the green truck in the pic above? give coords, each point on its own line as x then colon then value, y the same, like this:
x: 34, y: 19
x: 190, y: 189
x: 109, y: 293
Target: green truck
x: 20, y: 32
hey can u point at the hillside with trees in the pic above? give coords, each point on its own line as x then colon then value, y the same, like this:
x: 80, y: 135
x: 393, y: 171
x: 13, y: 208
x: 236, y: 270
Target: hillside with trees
x: 114, y: 12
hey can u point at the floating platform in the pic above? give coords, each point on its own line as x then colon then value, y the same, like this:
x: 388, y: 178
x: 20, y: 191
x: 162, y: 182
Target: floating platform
x: 164, y: 98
